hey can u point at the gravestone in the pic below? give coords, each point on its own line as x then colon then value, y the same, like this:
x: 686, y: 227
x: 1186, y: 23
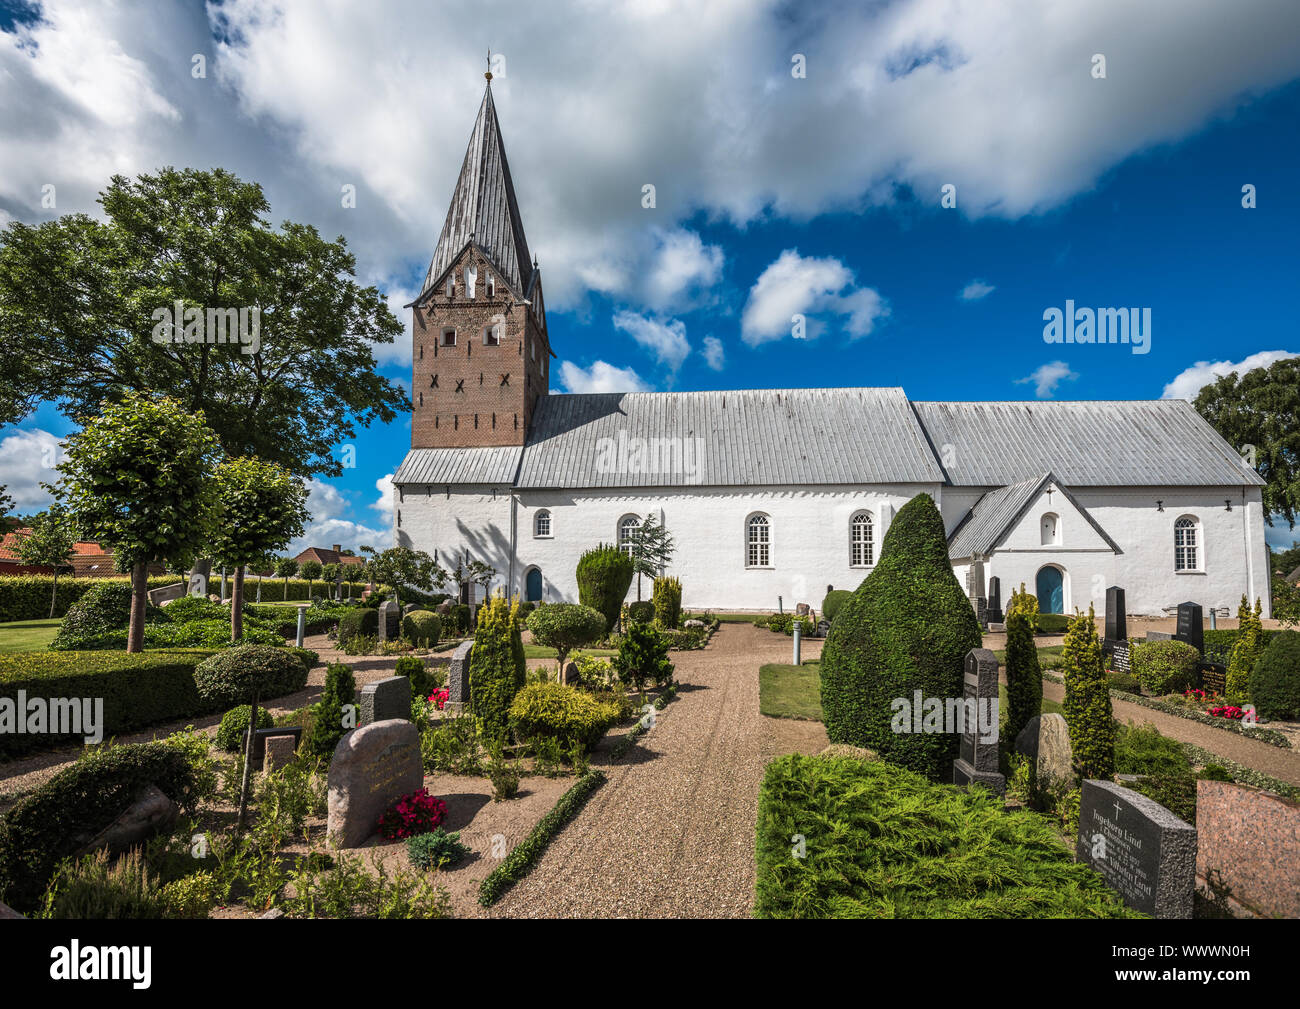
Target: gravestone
x: 458, y: 679
x: 166, y: 594
x: 279, y: 751
x: 1045, y: 740
x: 411, y: 607
x: 1159, y: 636
x: 1191, y: 626
x: 994, y: 611
x: 801, y: 610
x: 977, y: 756
x: 975, y: 590
x: 260, y: 738
x: 1142, y: 850
x: 390, y: 621
x: 373, y: 766
x: 386, y: 699
x: 1214, y: 677
x: 198, y: 586
x: 1249, y: 839
x: 823, y: 628
x: 1121, y: 658
x: 1116, y: 615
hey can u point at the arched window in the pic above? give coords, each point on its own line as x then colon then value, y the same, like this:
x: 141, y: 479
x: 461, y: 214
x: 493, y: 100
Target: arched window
x: 491, y: 285
x: 1051, y: 530
x: 862, y: 544
x: 542, y: 524
x: 758, y: 542
x: 1187, y: 544
x: 451, y: 284
x: 627, y: 525
x: 471, y: 276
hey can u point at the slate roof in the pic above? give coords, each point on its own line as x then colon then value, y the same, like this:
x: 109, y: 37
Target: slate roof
x: 1129, y: 443
x: 997, y: 512
x: 483, y: 207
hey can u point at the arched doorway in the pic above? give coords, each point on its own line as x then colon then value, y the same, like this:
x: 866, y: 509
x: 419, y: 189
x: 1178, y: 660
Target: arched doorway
x: 533, y: 585
x: 1051, y: 590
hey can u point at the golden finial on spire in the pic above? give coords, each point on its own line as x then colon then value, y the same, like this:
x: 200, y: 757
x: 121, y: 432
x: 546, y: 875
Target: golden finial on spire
x: 488, y: 75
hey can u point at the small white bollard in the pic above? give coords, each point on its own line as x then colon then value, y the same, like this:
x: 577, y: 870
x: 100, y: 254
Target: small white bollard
x: 798, y: 639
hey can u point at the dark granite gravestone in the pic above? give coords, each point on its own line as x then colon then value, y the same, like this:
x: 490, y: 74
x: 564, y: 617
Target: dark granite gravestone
x: 977, y: 756
x: 262, y: 735
x: 976, y: 592
x: 386, y: 699
x: 823, y: 628
x: 994, y: 611
x: 458, y: 679
x: 1191, y: 626
x: 1116, y: 617
x: 390, y: 621
x: 372, y: 768
x: 1121, y: 660
x: 1142, y: 850
x: 1214, y: 676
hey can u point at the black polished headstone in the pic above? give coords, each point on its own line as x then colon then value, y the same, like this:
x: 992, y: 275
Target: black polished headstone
x: 1116, y: 617
x: 994, y: 610
x: 1191, y: 626
x: 977, y: 759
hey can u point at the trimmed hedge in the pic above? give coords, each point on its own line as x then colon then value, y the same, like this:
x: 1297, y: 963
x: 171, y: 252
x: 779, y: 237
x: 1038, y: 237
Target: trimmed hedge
x: 567, y: 715
x: 908, y: 627
x: 889, y: 844
x: 230, y: 677
x: 360, y: 622
x: 71, y: 808
x: 641, y: 612
x: 422, y: 625
x: 27, y: 597
x: 604, y: 576
x: 1275, y: 680
x: 138, y: 690
x: 834, y: 602
x: 515, y: 866
x: 1164, y: 667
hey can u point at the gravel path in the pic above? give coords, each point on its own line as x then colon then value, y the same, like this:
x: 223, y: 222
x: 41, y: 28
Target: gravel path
x: 1271, y: 760
x: 671, y: 834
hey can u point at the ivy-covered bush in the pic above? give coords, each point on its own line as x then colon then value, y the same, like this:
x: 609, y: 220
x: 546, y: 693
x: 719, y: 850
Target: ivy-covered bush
x: 1024, y: 677
x: 908, y: 627
x: 1275, y: 679
x: 563, y: 714
x: 230, y: 677
x: 643, y: 655
x: 604, y: 576
x: 1164, y: 667
x: 496, y: 667
x: 73, y: 806
x: 360, y: 622
x: 668, y: 602
x: 327, y: 728
x: 641, y: 612
x: 421, y: 627
x: 1087, y: 699
x: 234, y: 725
x: 834, y: 602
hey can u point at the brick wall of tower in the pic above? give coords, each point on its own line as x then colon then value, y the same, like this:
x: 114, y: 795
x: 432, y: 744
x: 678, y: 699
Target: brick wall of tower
x: 471, y: 406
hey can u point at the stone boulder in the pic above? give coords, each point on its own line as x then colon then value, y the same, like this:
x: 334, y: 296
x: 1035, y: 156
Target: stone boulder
x: 1045, y: 739
x: 372, y: 768
x: 151, y: 812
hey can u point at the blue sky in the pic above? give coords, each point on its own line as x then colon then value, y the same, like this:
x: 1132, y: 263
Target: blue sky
x: 774, y: 193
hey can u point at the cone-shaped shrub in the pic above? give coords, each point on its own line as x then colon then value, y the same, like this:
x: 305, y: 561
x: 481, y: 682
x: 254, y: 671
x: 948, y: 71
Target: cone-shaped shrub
x: 908, y: 627
x: 1247, y: 650
x: 1024, y: 676
x: 604, y: 576
x: 496, y: 667
x: 1087, y: 699
x: 327, y: 717
x: 1026, y: 603
x: 668, y: 602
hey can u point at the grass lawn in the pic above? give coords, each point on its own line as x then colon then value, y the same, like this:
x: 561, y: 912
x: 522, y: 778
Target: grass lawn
x: 542, y: 652
x: 28, y: 635
x: 786, y: 691
x: 1049, y: 657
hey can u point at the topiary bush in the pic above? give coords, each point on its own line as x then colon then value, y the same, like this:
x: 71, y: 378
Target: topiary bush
x: 565, y: 626
x: 834, y: 602
x: 566, y: 715
x: 1087, y: 699
x: 422, y: 626
x: 359, y: 622
x: 1275, y: 679
x: 328, y: 723
x: 604, y: 576
x: 641, y: 612
x: 668, y: 602
x: 643, y: 655
x: 1164, y: 667
x: 1024, y: 677
x: 234, y: 724
x: 496, y: 668
x: 908, y: 627
x: 230, y: 677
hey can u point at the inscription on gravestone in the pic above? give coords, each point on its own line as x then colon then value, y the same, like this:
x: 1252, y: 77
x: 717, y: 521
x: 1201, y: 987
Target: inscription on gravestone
x: 1120, y: 660
x: 372, y: 767
x: 977, y: 759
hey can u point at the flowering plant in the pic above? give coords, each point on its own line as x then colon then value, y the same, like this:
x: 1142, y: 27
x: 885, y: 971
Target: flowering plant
x: 439, y: 697
x: 414, y: 813
x: 1203, y: 696
x: 1227, y: 711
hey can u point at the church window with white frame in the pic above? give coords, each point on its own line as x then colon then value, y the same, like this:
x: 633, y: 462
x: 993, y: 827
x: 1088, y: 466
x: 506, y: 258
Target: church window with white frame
x: 862, y: 543
x: 627, y: 526
x: 542, y: 524
x: 1187, y: 543
x: 758, y: 542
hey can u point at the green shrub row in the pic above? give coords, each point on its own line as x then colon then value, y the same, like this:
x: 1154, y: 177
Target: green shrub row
x: 1240, y: 772
x: 27, y: 597
x: 516, y: 865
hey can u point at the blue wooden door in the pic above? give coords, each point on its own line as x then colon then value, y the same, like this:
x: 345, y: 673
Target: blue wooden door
x: 533, y: 585
x: 1051, y: 591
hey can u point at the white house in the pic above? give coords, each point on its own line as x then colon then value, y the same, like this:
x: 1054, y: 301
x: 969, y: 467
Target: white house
x: 773, y: 495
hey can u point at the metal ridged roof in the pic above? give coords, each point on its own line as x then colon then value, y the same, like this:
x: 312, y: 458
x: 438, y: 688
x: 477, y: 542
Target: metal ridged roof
x: 483, y: 207
x: 773, y: 437
x: 985, y: 524
x: 459, y: 466
x: 1084, y: 444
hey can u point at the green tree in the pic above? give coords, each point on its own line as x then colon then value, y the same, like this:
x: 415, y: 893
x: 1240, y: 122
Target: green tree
x: 6, y: 503
x: 1256, y: 414
x: 286, y: 568
x: 311, y: 570
x: 83, y: 299
x: 332, y: 573
x: 50, y: 542
x: 1024, y: 676
x: 260, y: 507
x: 604, y: 576
x: 1087, y: 699
x: 328, y: 719
x: 402, y: 566
x: 564, y: 627
x: 139, y: 479
x: 651, y: 548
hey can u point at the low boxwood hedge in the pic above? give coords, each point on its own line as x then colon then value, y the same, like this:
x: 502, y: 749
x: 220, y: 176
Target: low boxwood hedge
x: 138, y: 690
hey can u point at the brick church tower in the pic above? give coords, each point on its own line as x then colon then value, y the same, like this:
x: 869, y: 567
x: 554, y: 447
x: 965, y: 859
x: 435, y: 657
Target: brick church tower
x: 481, y: 357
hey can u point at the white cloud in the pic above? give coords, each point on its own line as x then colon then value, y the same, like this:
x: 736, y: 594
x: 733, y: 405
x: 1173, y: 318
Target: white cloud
x: 328, y: 524
x: 682, y: 266
x: 1189, y: 382
x: 666, y: 340
x: 715, y: 355
x: 27, y: 458
x: 976, y: 290
x: 794, y: 284
x: 1048, y: 377
x: 600, y: 377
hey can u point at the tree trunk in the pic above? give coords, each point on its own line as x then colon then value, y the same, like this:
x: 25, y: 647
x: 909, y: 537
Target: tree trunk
x: 248, y: 763
x: 54, y: 596
x: 237, y: 605
x: 139, y: 586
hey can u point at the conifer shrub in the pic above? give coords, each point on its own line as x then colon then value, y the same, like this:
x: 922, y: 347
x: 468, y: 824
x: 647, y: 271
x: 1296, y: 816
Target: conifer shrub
x: 834, y: 602
x: 668, y: 602
x: 1087, y: 699
x: 496, y: 668
x: 643, y: 655
x: 907, y: 627
x: 561, y: 714
x: 641, y: 612
x: 604, y: 576
x: 1026, y: 603
x: 421, y: 627
x: 327, y: 728
x: 1024, y: 677
x: 1275, y: 679
x: 234, y: 725
x: 1164, y: 667
x: 1247, y: 649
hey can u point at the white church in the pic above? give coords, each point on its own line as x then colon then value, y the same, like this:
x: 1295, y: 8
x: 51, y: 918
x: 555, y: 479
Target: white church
x: 773, y: 495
